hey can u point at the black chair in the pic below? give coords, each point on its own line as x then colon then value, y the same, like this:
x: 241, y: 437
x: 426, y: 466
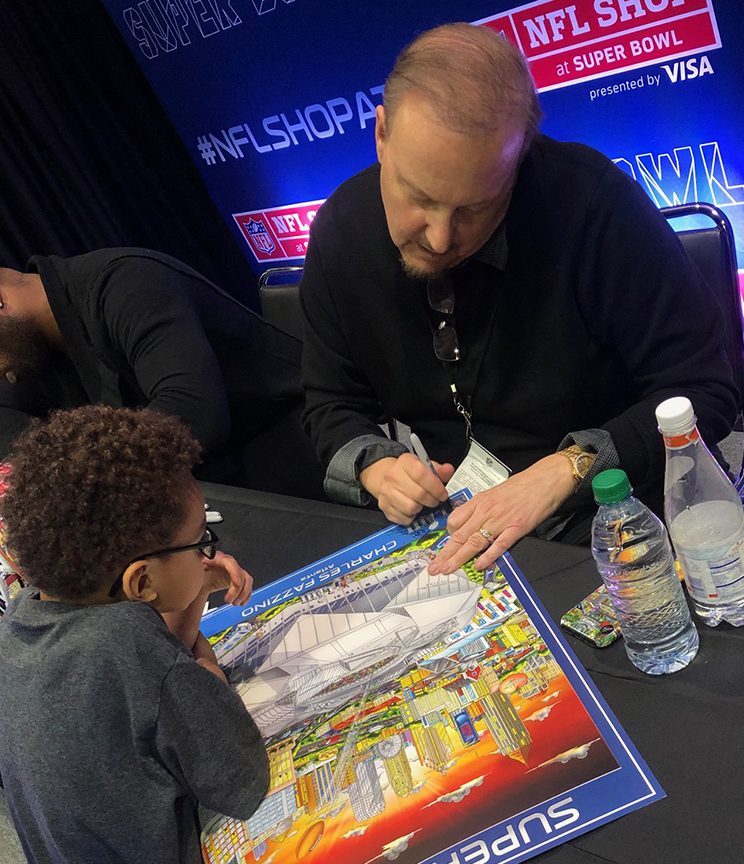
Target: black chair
x: 713, y: 251
x: 279, y: 296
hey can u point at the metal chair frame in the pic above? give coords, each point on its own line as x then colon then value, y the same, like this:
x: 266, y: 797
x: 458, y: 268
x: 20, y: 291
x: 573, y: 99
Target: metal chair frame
x: 279, y: 296
x: 728, y: 293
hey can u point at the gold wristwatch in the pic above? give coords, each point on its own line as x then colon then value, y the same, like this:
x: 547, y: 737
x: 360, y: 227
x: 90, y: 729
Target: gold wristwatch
x: 581, y: 461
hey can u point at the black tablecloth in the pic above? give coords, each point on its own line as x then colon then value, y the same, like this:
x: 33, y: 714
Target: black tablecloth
x: 688, y: 726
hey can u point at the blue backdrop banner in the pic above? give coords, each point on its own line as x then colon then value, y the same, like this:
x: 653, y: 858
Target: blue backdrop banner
x: 275, y: 99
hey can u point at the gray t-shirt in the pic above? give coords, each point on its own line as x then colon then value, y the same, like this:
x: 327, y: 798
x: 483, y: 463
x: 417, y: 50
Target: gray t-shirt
x: 110, y: 734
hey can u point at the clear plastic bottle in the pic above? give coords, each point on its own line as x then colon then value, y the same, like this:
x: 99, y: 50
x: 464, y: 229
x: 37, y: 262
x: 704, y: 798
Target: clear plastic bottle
x: 704, y: 515
x: 635, y: 560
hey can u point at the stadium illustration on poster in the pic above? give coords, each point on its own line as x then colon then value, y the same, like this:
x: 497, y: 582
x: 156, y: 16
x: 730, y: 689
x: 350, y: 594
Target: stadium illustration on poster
x: 416, y: 717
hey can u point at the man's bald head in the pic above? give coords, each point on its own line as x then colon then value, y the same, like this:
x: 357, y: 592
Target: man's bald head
x: 471, y: 78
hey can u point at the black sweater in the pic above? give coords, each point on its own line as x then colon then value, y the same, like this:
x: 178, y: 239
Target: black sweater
x: 141, y: 328
x: 597, y: 318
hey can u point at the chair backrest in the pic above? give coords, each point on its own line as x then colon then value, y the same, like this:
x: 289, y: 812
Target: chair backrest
x: 279, y: 296
x: 713, y: 251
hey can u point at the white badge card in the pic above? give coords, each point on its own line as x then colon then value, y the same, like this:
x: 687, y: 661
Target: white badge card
x: 478, y: 471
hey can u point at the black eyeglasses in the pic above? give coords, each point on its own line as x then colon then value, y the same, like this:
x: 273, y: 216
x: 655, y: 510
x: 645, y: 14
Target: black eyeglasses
x: 207, y: 546
x: 441, y: 296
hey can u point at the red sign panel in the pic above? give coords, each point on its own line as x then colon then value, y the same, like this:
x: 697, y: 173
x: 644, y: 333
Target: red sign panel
x: 279, y: 233
x: 567, y: 42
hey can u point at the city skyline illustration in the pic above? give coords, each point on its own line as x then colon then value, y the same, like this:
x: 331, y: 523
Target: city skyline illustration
x: 402, y: 713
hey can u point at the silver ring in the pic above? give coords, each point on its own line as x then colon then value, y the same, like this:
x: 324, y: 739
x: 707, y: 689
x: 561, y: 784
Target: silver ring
x: 486, y: 534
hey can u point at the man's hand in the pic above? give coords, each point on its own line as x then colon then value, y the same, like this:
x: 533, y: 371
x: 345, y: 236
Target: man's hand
x: 494, y: 520
x: 223, y: 571
x: 403, y: 486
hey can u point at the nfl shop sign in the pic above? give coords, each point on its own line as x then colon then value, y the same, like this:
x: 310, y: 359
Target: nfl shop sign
x: 568, y: 41
x: 279, y: 233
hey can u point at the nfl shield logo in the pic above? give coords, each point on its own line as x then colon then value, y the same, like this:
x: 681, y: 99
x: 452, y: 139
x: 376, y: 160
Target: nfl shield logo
x: 259, y: 236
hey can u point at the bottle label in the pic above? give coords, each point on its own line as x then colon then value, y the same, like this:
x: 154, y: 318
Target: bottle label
x: 718, y: 580
x: 674, y: 442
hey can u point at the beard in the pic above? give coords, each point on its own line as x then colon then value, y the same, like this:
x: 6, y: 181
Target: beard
x: 419, y: 274
x: 23, y: 349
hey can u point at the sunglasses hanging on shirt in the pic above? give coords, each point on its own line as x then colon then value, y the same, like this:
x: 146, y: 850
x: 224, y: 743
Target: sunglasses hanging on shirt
x: 441, y: 296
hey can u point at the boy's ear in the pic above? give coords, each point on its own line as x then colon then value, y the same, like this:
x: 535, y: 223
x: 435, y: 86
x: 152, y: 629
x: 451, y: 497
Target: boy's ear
x: 138, y: 583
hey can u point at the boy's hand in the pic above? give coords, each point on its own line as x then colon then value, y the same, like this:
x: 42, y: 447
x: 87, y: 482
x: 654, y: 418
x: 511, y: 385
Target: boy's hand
x: 213, y: 668
x: 202, y: 650
x: 223, y: 571
x: 204, y: 655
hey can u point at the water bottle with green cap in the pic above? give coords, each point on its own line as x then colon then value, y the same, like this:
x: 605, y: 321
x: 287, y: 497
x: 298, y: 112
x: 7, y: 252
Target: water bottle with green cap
x: 634, y: 558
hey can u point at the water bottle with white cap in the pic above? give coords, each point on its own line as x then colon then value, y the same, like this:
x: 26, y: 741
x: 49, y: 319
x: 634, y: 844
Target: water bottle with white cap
x: 704, y: 516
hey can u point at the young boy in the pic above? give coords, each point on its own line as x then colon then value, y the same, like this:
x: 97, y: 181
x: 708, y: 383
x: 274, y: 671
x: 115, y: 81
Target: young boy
x: 112, y: 728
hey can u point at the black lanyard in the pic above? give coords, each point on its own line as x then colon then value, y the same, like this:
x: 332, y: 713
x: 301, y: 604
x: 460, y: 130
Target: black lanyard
x: 462, y: 395
x: 463, y: 409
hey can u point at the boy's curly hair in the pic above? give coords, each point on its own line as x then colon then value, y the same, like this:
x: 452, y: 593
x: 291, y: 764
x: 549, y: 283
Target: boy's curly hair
x: 90, y: 490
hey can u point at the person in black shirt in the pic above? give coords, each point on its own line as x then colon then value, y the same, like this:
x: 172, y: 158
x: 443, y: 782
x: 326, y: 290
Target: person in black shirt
x: 574, y: 305
x: 133, y: 327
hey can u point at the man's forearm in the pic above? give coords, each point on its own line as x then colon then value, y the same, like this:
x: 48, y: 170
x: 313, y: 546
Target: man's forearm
x: 342, y: 477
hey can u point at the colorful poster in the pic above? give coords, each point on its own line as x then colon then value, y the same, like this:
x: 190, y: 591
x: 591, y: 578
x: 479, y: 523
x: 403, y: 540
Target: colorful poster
x: 416, y: 717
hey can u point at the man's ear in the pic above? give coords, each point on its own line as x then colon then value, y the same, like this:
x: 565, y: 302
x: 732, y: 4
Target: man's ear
x: 138, y: 583
x: 380, y: 132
